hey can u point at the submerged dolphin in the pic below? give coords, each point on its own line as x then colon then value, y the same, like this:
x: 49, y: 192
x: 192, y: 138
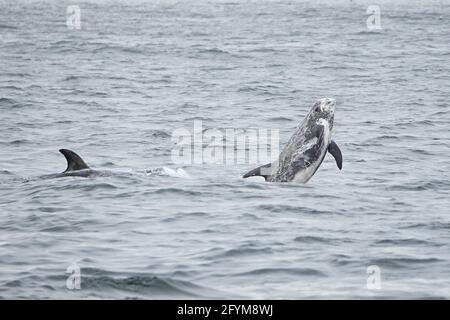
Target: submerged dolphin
x: 76, y: 167
x: 306, y: 149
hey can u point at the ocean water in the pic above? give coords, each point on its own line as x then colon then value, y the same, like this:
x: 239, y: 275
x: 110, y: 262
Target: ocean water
x: 117, y: 89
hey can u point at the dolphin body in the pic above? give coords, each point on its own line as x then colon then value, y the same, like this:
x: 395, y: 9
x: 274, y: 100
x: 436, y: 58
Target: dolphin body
x: 76, y: 167
x: 306, y: 149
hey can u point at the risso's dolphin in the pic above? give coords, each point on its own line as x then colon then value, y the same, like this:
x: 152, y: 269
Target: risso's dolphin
x: 76, y: 167
x: 306, y: 149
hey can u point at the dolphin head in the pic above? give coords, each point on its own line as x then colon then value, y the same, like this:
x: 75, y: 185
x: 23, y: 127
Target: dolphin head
x: 323, y: 110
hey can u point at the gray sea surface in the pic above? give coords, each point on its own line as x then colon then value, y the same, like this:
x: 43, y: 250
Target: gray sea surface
x: 116, y: 89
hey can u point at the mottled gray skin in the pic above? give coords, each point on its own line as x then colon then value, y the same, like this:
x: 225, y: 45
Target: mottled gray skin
x: 306, y: 149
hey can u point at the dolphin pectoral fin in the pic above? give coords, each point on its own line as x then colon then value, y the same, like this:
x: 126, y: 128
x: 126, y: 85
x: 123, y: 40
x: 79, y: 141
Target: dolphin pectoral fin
x: 74, y: 161
x: 263, y: 171
x: 336, y: 153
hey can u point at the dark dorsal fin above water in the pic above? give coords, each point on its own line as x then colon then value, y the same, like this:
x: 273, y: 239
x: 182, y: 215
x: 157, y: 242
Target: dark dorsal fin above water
x: 74, y: 161
x: 336, y: 153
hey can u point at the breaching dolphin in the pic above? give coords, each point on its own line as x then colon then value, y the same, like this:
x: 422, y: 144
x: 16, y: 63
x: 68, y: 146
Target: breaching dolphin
x: 306, y: 149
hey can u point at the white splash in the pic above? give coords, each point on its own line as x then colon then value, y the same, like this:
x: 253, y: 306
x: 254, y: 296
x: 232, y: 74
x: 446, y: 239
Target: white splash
x: 165, y: 171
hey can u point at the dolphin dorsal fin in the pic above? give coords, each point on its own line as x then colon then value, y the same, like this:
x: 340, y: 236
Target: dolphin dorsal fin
x: 74, y: 161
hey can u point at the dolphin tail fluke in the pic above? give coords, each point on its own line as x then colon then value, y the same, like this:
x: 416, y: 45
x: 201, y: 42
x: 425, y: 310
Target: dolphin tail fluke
x: 263, y: 171
x: 74, y: 161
